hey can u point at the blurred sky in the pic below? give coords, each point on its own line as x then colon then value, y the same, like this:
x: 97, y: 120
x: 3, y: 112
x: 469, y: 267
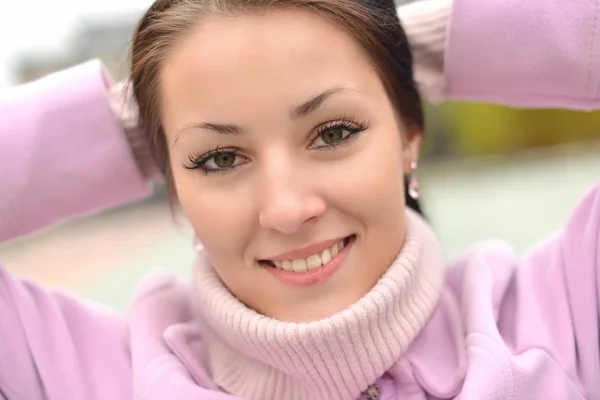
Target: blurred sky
x: 43, y: 25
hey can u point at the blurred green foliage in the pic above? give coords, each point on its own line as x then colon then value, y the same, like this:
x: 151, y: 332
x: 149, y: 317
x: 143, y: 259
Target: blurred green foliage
x: 472, y: 129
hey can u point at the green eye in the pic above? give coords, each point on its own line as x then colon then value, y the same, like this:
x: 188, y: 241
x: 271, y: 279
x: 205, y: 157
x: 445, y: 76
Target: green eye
x: 332, y: 135
x: 224, y: 159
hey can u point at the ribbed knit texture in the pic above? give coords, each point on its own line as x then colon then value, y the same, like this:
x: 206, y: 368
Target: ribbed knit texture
x: 259, y: 358
x: 426, y: 25
x: 126, y: 111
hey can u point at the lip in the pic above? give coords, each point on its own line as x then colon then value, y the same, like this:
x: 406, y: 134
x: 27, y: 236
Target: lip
x: 314, y: 276
x: 307, y: 251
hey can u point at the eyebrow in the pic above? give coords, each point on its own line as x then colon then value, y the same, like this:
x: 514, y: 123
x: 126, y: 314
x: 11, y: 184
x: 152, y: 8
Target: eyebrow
x: 314, y: 103
x: 223, y: 129
x: 298, y: 112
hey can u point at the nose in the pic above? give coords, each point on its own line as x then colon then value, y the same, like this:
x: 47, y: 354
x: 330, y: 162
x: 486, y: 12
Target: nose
x: 288, y: 203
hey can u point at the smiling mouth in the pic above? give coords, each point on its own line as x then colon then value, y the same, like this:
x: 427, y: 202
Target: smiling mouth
x: 312, y: 262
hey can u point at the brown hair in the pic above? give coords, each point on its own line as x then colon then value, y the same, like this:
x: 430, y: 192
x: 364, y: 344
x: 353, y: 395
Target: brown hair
x: 373, y: 23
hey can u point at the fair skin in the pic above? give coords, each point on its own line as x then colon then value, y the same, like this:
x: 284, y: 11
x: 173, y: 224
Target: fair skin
x: 237, y: 84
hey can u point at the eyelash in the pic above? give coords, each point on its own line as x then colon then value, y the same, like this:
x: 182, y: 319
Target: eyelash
x: 347, y: 123
x: 197, y: 161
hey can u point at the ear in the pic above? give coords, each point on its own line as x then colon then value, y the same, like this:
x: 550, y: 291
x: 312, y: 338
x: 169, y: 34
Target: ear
x: 411, y: 147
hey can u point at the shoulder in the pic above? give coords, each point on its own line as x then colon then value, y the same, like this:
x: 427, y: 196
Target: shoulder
x: 163, y: 299
x: 526, y: 325
x: 58, y: 346
x: 500, y: 328
x: 485, y: 267
x: 164, y: 284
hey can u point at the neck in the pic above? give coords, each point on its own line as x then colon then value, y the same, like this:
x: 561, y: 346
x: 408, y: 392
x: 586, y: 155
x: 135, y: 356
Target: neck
x: 257, y: 357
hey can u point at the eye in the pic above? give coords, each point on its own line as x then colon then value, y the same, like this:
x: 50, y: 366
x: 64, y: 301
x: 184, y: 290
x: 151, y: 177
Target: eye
x: 331, y: 136
x: 223, y: 159
x: 216, y: 161
x: 336, y: 133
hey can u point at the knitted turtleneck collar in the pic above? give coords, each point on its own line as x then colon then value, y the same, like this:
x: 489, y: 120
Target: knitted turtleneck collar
x: 259, y: 358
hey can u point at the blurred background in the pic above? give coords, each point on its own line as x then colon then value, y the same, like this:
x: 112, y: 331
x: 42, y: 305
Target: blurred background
x: 488, y: 172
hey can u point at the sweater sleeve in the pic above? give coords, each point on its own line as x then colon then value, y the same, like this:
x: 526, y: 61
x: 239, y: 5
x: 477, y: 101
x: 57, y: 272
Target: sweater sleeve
x: 537, y: 53
x: 64, y: 153
x: 426, y: 25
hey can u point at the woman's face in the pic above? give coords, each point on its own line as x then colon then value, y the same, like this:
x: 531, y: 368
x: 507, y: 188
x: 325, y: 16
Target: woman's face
x: 288, y: 159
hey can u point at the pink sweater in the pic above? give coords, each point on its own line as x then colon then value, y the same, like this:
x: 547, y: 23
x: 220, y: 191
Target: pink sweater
x: 489, y: 325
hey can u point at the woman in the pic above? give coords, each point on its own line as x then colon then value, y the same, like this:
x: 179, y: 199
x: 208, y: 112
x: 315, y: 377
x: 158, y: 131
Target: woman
x: 286, y: 130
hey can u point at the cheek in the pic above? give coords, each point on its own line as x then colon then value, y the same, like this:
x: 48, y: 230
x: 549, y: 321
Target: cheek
x: 219, y: 218
x: 372, y: 182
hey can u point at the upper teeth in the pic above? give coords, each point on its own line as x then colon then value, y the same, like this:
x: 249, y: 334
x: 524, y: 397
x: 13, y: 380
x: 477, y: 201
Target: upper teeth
x: 312, y: 262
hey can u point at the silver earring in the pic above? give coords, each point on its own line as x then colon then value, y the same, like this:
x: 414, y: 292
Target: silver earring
x: 413, y: 183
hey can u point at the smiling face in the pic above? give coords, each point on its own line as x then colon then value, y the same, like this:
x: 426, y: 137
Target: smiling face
x: 288, y: 159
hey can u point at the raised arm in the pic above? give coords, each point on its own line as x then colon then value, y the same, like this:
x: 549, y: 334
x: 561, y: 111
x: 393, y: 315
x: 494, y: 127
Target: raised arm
x: 542, y: 54
x: 535, y: 53
x: 65, y: 151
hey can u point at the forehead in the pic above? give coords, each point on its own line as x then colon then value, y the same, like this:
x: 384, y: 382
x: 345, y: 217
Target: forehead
x: 279, y: 57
